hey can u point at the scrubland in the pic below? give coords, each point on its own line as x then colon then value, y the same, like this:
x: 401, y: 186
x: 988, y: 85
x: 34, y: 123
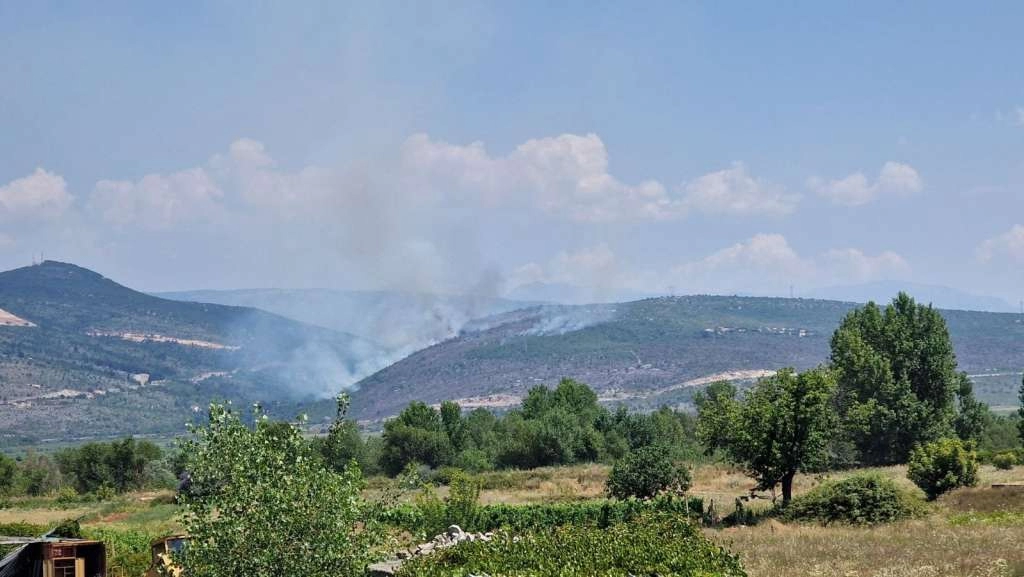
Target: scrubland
x: 973, y: 532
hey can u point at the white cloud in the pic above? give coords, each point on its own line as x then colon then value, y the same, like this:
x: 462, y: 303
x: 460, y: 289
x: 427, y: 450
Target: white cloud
x: 855, y: 190
x: 591, y: 267
x: 768, y: 264
x: 157, y: 201
x: 40, y: 195
x: 852, y: 264
x: 569, y: 175
x: 1018, y: 116
x: 1009, y: 246
x: 245, y: 177
x: 734, y: 191
x: 253, y: 173
x: 763, y: 253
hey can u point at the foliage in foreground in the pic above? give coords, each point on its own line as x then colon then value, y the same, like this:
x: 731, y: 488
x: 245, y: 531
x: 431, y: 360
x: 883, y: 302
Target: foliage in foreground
x: 942, y: 466
x: 864, y: 499
x: 646, y: 473
x: 663, y: 545
x: 262, y: 502
x: 519, y: 518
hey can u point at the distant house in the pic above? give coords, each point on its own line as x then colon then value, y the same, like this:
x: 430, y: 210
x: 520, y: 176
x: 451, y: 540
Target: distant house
x: 53, y: 557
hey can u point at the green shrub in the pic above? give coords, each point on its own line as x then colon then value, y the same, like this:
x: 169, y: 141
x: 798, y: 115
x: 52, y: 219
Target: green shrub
x: 461, y: 505
x: 519, y: 518
x: 105, y: 493
x: 22, y: 529
x: 431, y: 515
x: 941, y: 466
x: 1005, y: 461
x: 662, y: 545
x: 864, y: 499
x: 128, y: 552
x: 647, y: 472
x: 474, y: 460
x: 68, y: 494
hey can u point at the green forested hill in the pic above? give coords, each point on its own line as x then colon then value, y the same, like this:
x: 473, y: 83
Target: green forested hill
x: 104, y: 359
x: 659, y: 350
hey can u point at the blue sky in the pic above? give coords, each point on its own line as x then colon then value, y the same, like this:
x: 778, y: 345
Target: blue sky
x: 623, y: 147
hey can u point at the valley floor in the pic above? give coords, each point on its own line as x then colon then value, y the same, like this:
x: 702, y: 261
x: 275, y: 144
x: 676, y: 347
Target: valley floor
x: 975, y: 532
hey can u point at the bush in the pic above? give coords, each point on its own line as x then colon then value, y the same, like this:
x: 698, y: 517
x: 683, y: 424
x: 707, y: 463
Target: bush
x: 662, y: 545
x: 520, y: 518
x: 22, y: 529
x: 1004, y: 461
x: 864, y: 499
x: 67, y: 495
x: 941, y: 466
x: 461, y: 505
x: 645, y: 473
x: 128, y: 552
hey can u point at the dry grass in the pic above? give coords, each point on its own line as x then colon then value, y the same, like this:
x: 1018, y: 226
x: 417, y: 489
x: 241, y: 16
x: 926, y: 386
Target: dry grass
x: 976, y: 532
x: 44, y: 516
x: 926, y: 548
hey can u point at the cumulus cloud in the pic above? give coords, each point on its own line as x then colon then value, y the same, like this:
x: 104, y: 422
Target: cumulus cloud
x: 589, y: 267
x: 569, y: 175
x: 1007, y: 246
x: 768, y: 264
x: 894, y: 178
x: 248, y: 168
x: 157, y: 201
x: 854, y: 265
x: 735, y: 191
x: 41, y: 195
x: 763, y: 254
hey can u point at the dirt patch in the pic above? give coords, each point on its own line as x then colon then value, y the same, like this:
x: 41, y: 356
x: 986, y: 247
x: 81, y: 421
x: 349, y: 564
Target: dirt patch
x: 9, y: 320
x: 155, y: 338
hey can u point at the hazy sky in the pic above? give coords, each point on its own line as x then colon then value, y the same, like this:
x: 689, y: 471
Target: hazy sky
x: 714, y: 147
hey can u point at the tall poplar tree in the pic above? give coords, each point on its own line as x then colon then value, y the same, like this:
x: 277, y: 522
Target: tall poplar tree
x: 897, y: 380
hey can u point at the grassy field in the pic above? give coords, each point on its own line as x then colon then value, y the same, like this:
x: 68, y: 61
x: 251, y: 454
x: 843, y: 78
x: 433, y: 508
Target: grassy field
x: 969, y: 533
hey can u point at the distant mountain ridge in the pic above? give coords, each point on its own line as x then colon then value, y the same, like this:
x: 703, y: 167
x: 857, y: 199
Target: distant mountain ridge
x: 102, y: 358
x: 940, y: 296
x: 659, y: 351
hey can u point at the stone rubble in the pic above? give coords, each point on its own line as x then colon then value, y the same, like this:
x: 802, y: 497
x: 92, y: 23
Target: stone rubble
x: 451, y: 537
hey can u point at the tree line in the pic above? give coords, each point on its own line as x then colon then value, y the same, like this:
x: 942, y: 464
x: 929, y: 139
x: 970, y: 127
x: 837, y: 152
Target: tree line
x: 99, y: 468
x: 559, y: 426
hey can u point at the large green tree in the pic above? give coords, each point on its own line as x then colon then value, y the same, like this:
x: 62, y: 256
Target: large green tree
x: 897, y: 379
x: 8, y: 469
x: 780, y: 427
x: 418, y: 436
x: 263, y: 502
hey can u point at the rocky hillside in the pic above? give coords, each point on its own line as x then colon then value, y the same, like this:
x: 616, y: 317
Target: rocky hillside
x: 658, y: 351
x: 87, y: 357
